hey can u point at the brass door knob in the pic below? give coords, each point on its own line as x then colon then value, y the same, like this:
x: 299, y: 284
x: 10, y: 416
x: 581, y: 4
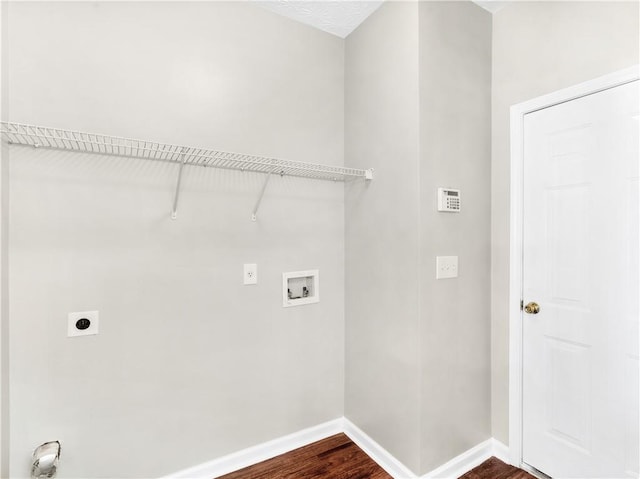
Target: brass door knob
x: 532, y: 308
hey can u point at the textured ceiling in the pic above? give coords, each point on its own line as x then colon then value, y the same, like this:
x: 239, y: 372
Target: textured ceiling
x: 491, y: 5
x: 339, y: 17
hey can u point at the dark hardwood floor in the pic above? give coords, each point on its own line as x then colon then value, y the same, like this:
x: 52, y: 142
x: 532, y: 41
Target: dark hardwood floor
x: 337, y: 457
x: 494, y: 468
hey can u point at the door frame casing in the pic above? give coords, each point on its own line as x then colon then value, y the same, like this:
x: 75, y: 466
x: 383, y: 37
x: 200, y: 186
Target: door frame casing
x: 518, y: 113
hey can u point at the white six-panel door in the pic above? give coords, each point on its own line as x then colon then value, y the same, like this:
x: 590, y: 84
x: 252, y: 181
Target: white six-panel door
x: 580, y: 265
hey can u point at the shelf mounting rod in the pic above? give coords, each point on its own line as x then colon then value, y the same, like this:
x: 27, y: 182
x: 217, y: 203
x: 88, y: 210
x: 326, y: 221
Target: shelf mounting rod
x: 174, y: 210
x: 264, y: 187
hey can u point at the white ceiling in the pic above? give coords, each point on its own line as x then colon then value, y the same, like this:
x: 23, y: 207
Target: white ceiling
x: 339, y: 17
x: 492, y: 5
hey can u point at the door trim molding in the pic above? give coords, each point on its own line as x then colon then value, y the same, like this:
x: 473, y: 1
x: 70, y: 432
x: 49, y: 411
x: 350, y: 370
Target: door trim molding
x: 518, y: 112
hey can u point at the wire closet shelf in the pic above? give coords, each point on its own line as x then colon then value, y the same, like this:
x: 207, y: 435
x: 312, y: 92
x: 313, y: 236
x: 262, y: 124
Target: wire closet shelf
x: 55, y: 138
x: 59, y: 139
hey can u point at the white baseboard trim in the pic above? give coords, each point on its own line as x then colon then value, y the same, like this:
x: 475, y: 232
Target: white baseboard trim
x: 469, y: 459
x: 453, y: 469
x: 500, y: 450
x: 261, y: 452
x: 376, y: 452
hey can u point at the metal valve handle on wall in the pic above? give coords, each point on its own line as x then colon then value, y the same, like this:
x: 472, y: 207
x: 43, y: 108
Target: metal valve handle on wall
x: 45, y: 460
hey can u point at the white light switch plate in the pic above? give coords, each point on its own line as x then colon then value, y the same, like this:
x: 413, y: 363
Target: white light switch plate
x: 446, y: 267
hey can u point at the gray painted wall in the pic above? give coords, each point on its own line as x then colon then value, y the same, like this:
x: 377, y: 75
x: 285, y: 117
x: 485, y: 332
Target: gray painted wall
x: 418, y: 84
x: 382, y: 225
x: 4, y: 258
x: 455, y: 152
x: 538, y: 48
x: 189, y: 363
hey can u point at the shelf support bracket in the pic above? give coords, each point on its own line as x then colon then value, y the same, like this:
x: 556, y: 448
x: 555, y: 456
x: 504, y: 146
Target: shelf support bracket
x: 174, y: 210
x: 264, y: 187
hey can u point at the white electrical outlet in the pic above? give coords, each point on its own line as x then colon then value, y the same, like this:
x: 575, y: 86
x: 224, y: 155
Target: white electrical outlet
x: 251, y: 273
x: 446, y: 267
x: 83, y: 323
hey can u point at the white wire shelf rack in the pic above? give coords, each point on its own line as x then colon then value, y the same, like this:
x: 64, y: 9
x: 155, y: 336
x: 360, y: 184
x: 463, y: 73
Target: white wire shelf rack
x: 45, y: 137
x: 82, y: 142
